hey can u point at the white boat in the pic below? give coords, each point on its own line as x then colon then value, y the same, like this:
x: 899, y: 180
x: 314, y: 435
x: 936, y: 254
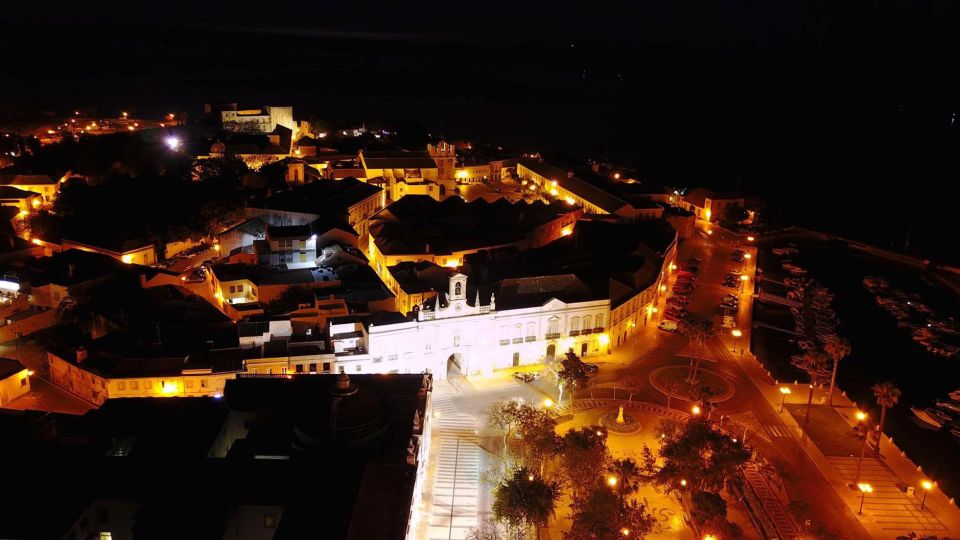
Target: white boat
x: 927, y: 416
x: 949, y: 405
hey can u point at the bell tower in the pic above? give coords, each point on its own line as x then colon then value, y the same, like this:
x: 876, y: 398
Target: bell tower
x: 458, y: 287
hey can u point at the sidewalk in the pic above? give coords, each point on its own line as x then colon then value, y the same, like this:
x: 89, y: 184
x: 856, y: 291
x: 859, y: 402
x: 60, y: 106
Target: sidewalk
x: 888, y: 511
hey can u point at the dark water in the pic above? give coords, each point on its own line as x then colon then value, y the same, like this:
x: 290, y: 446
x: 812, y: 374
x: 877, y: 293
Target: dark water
x: 880, y: 351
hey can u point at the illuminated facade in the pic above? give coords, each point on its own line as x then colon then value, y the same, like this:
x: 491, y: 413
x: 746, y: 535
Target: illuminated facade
x: 454, y: 334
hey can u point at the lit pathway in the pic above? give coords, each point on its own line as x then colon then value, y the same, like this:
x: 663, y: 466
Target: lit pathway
x: 454, y: 496
x: 888, y: 507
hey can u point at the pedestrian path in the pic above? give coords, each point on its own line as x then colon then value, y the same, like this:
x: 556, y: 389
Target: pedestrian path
x: 772, y: 504
x: 777, y: 430
x: 455, y: 492
x: 888, y: 506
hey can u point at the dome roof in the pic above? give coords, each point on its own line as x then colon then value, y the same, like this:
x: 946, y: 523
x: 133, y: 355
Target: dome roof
x: 347, y: 415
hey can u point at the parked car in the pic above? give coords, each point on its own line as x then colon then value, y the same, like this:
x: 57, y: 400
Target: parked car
x: 730, y: 305
x: 668, y: 326
x: 693, y: 260
x: 675, y: 314
x: 680, y: 301
x: 525, y: 377
x: 736, y: 258
x: 686, y: 274
x: 682, y: 289
x: 730, y: 298
x: 197, y: 275
x: 731, y: 284
x: 592, y: 369
x: 693, y: 269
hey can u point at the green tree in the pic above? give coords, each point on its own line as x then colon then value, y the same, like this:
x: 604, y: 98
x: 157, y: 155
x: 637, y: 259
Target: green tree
x: 539, y: 440
x: 836, y: 350
x: 887, y: 395
x: 585, y: 457
x: 507, y: 415
x: 572, y: 374
x: 698, y: 331
x: 707, y: 506
x: 700, y: 455
x: 599, y: 515
x: 524, y: 501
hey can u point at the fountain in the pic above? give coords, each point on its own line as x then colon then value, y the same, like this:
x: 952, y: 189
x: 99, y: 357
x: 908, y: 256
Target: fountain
x: 619, y: 422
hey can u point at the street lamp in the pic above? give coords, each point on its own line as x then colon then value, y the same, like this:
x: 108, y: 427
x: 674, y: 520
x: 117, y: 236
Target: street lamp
x: 806, y: 419
x: 683, y: 483
x: 861, y: 432
x: 747, y: 256
x: 695, y: 410
x: 864, y: 489
x: 547, y: 403
x: 172, y: 143
x: 927, y: 486
x: 736, y: 332
x: 709, y: 537
x: 612, y: 481
x: 750, y: 239
x: 783, y: 400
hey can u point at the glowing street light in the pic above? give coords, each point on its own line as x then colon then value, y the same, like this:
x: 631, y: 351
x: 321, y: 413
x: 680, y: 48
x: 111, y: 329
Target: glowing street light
x: 625, y: 531
x: 750, y: 239
x: 861, y: 428
x: 683, y: 483
x: 709, y: 537
x: 744, y: 277
x: 173, y: 143
x: 736, y: 332
x: 786, y: 392
x: 927, y: 486
x: 747, y: 256
x: 548, y: 403
x: 864, y: 489
x: 612, y: 481
x: 695, y: 410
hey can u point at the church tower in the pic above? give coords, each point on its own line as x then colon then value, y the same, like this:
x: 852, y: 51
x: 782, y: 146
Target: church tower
x: 458, y: 287
x: 445, y: 155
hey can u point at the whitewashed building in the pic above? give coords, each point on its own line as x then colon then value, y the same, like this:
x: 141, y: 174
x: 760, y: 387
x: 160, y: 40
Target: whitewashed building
x: 518, y: 322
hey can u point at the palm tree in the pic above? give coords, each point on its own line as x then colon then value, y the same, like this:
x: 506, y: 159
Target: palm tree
x: 814, y: 362
x: 697, y: 331
x: 837, y: 350
x: 887, y: 395
x: 628, y: 476
x: 74, y: 311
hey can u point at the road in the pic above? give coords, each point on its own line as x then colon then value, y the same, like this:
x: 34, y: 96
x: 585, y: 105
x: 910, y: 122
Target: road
x: 44, y: 395
x: 769, y: 434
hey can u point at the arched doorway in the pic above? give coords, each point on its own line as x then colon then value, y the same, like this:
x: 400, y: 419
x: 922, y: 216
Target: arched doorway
x: 551, y: 352
x: 454, y: 366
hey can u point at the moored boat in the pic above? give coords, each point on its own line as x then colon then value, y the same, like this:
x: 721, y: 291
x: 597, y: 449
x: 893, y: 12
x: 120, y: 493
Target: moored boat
x: 927, y: 416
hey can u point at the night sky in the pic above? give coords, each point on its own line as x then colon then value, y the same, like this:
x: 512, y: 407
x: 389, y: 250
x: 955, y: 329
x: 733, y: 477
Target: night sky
x: 792, y: 100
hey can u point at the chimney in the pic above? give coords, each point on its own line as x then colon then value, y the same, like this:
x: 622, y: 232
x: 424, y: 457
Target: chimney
x: 81, y: 354
x: 427, y: 246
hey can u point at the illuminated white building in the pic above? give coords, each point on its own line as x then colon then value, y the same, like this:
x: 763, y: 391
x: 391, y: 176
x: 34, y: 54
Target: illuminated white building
x: 518, y: 322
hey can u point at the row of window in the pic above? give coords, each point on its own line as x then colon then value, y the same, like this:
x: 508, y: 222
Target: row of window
x: 149, y: 385
x: 586, y: 323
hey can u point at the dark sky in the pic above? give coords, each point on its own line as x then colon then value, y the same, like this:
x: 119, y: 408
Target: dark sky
x: 791, y: 99
x: 888, y: 24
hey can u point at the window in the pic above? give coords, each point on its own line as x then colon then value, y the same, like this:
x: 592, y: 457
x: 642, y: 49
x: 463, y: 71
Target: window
x: 587, y: 322
x: 599, y: 323
x: 358, y: 368
x: 283, y: 371
x: 393, y: 357
x: 553, y: 326
x: 575, y: 324
x: 457, y: 288
x: 146, y: 386
x: 456, y: 340
x: 313, y: 368
x: 531, y: 329
x: 134, y: 385
x: 203, y: 383
x: 106, y: 535
x: 326, y: 367
x: 429, y: 346
x: 56, y: 296
x: 299, y: 368
x: 121, y: 385
x: 189, y: 383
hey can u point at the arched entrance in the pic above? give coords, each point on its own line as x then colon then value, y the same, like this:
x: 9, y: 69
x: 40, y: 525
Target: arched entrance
x: 454, y: 366
x: 551, y: 352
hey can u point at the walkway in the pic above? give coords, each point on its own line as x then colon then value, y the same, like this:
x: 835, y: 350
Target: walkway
x: 454, y: 473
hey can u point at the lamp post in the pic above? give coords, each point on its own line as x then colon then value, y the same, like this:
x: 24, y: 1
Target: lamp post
x: 862, y: 433
x: 783, y: 400
x: 864, y: 489
x: 806, y: 419
x: 736, y: 333
x: 927, y: 486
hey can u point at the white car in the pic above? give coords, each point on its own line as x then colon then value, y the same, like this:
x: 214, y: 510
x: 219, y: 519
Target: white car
x: 668, y: 326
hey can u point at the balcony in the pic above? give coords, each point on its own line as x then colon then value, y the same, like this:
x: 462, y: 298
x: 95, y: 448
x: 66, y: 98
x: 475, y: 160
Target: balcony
x: 518, y: 340
x: 504, y: 342
x: 528, y: 339
x: 587, y: 331
x: 552, y: 335
x: 574, y: 333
